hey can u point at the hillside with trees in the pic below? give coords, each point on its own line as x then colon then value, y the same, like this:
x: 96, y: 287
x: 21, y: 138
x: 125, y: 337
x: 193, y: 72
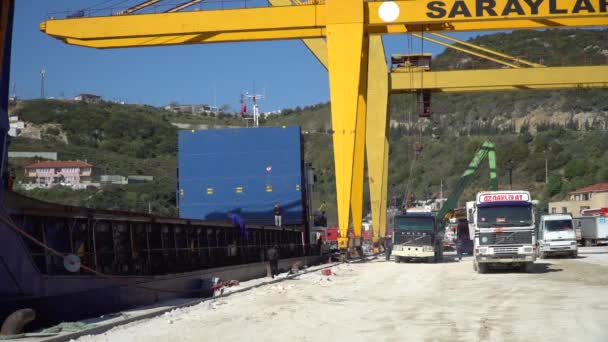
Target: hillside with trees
x: 567, y: 129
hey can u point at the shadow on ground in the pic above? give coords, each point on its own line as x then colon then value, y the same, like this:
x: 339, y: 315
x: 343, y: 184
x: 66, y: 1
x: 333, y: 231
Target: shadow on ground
x: 538, y: 268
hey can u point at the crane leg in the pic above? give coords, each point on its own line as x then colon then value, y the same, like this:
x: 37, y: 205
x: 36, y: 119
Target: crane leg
x: 356, y: 199
x: 377, y: 134
x: 345, y: 47
x: 384, y: 191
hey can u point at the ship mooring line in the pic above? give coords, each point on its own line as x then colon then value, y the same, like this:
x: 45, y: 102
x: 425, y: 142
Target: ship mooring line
x: 4, y: 218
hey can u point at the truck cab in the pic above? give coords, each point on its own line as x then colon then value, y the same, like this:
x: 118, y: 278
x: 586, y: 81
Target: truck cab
x: 556, y: 236
x: 504, y: 230
x: 416, y: 236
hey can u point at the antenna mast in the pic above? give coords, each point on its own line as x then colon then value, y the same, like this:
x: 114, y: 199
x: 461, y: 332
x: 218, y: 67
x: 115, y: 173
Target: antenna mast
x: 256, y: 108
x: 42, y: 77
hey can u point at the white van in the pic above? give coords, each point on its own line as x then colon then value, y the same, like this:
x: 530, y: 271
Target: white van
x: 556, y: 236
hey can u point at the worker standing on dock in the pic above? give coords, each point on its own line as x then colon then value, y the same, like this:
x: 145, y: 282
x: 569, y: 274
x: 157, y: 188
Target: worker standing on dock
x: 278, y: 211
x: 388, y: 246
x: 273, y: 259
x: 462, y: 234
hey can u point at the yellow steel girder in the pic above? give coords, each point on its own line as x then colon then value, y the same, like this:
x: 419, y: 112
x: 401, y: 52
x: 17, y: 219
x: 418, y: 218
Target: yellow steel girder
x: 456, y: 47
x: 345, y: 43
x: 309, y: 34
x: 420, y: 11
x: 294, y: 22
x: 490, y: 51
x: 502, y: 79
x: 356, y: 199
x: 377, y: 134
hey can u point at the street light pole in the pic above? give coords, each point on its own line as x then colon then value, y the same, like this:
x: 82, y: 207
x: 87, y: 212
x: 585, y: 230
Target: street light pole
x: 511, y: 174
x: 546, y: 168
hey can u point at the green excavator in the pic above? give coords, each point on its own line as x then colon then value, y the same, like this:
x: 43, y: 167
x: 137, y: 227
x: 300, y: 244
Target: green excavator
x: 487, y: 150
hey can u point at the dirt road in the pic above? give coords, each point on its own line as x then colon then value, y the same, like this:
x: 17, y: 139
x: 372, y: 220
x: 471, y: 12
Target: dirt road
x: 563, y: 300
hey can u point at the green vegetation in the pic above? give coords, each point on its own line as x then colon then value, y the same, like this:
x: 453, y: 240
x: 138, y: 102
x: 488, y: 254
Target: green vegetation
x: 528, y: 128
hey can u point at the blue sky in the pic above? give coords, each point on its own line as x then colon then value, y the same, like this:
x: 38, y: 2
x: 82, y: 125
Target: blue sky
x: 287, y: 71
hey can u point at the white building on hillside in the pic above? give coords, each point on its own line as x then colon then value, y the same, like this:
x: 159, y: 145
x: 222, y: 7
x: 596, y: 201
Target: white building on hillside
x: 15, y: 126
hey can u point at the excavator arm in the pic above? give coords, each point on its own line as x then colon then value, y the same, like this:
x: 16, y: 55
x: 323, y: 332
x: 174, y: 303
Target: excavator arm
x: 486, y: 150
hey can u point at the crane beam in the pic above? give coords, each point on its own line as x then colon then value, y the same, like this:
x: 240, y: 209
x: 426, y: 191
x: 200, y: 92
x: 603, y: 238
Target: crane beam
x: 502, y: 79
x: 290, y: 18
x: 61, y: 32
x: 490, y: 51
x: 470, y: 52
x: 218, y: 37
x: 379, y: 18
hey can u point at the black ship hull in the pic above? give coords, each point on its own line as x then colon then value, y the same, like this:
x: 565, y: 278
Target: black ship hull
x: 137, y: 259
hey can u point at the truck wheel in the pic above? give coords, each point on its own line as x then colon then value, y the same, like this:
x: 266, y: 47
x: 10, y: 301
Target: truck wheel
x: 587, y: 243
x: 482, y: 268
x: 542, y: 255
x: 574, y: 254
x: 528, y: 267
x: 475, y: 268
x: 397, y: 259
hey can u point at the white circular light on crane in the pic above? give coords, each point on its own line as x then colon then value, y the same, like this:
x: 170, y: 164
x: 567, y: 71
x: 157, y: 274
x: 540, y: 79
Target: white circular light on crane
x: 388, y: 11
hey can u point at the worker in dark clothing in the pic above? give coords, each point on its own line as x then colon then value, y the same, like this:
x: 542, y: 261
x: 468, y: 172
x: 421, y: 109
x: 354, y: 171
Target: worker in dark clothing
x: 388, y: 246
x: 462, y: 235
x: 278, y: 211
x: 320, y: 245
x: 273, y: 258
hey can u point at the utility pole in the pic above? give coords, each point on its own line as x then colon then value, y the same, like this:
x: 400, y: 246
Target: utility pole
x: 510, y: 174
x: 42, y: 77
x: 546, y: 169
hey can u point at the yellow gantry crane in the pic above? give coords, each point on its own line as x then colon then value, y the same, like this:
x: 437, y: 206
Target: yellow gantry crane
x: 345, y: 35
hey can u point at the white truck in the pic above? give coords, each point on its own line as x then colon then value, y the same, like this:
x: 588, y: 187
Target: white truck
x: 556, y: 236
x: 504, y: 230
x: 594, y: 229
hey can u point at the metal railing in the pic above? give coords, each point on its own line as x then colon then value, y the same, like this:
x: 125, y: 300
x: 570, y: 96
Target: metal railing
x: 119, y: 8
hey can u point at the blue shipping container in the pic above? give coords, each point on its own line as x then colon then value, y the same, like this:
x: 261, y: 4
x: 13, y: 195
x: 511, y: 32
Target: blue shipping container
x: 242, y: 170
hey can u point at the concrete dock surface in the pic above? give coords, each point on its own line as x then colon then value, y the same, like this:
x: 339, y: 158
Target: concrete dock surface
x: 561, y: 300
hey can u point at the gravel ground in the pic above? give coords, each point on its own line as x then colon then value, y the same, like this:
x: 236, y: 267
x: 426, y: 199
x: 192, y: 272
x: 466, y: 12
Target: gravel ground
x: 562, y: 300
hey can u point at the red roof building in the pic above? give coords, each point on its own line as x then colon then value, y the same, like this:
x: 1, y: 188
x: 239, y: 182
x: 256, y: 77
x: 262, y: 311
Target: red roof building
x: 59, y: 164
x: 590, y: 197
x: 599, y: 187
x: 68, y: 173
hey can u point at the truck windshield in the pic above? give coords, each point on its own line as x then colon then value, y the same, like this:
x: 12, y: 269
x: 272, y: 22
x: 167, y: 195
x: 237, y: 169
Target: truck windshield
x: 504, y: 216
x: 558, y: 225
x: 414, y: 223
